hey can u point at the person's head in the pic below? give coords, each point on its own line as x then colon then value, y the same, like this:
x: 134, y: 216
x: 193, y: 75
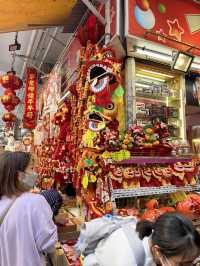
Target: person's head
x: 14, y: 167
x: 174, y: 239
x: 68, y: 190
x: 54, y: 199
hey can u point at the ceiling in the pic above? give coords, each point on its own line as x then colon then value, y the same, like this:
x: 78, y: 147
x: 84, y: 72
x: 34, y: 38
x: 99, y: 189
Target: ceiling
x: 29, y: 14
x: 38, y: 49
x: 41, y: 39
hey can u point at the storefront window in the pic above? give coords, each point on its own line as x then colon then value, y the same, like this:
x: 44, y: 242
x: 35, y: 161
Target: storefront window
x: 159, y: 98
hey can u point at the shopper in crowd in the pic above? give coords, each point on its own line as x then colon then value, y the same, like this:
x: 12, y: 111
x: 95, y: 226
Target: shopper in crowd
x: 171, y: 241
x: 54, y: 199
x: 27, y: 230
x: 68, y: 191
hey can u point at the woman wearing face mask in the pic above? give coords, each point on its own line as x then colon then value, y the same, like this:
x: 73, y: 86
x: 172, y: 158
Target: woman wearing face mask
x: 27, y: 231
x: 171, y: 241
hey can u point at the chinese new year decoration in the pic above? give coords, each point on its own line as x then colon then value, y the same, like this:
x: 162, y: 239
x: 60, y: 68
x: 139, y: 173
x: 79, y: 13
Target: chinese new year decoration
x: 29, y: 120
x: 91, y: 146
x: 92, y: 31
x: 9, y: 99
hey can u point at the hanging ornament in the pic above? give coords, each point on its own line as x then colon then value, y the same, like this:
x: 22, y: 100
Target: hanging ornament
x: 92, y: 31
x: 9, y: 117
x: 11, y: 81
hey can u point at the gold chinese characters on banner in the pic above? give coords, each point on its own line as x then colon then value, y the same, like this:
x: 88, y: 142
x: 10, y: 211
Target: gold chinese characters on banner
x: 30, y: 116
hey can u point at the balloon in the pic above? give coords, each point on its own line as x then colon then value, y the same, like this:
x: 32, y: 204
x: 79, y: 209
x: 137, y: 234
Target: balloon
x: 145, y: 19
x: 143, y: 4
x: 162, y: 8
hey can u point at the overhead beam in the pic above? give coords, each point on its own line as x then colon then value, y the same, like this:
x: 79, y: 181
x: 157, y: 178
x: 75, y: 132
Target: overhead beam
x: 93, y: 9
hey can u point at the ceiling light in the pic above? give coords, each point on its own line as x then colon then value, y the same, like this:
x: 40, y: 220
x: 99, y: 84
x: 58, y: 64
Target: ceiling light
x: 182, y: 62
x: 15, y: 46
x: 142, y: 85
x: 157, y: 73
x: 153, y: 54
x: 195, y: 66
x: 148, y: 77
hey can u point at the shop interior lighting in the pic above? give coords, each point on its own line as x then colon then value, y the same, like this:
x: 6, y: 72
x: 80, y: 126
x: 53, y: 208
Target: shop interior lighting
x: 154, y: 54
x: 161, y: 56
x: 195, y: 66
x: 148, y: 77
x: 142, y: 85
x: 157, y: 73
x: 182, y: 62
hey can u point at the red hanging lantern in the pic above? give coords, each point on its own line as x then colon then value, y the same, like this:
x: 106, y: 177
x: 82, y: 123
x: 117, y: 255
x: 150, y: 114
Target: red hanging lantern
x: 9, y: 92
x: 6, y: 99
x: 9, y: 107
x: 16, y: 100
x: 11, y: 81
x: 9, y: 117
x: 92, y: 31
x: 10, y: 101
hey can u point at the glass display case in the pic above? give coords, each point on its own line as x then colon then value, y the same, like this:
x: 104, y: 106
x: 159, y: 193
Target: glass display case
x: 159, y: 96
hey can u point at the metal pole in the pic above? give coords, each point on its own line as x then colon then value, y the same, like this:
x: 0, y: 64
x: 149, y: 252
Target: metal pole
x: 48, y: 47
x: 107, y: 27
x: 130, y: 91
x: 92, y: 8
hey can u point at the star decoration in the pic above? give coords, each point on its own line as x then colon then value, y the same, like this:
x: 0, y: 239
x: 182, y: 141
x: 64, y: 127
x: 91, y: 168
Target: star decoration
x: 161, y: 38
x: 175, y: 30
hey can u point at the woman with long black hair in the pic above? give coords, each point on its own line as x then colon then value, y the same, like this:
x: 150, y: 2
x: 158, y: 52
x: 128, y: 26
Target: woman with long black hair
x: 27, y: 231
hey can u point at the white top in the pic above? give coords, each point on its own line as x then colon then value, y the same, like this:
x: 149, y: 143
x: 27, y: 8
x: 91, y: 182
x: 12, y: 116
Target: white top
x: 116, y: 251
x: 27, y: 231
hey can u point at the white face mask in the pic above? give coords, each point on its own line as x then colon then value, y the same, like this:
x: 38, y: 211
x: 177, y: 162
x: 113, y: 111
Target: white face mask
x: 28, y: 179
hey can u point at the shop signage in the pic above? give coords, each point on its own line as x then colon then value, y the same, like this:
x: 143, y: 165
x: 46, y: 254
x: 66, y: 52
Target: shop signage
x: 29, y: 120
x: 178, y: 19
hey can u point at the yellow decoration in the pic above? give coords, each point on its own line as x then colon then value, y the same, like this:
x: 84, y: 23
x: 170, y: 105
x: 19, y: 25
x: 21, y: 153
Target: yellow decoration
x: 101, y: 125
x: 88, y: 138
x: 117, y: 155
x: 93, y: 178
x: 85, y: 181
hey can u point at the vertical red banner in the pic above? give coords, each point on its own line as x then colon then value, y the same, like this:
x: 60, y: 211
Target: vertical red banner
x: 30, y: 116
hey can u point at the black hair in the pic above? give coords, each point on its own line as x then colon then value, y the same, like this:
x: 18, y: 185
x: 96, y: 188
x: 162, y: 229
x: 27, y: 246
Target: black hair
x: 54, y: 199
x: 173, y: 233
x: 69, y: 190
x: 11, y: 163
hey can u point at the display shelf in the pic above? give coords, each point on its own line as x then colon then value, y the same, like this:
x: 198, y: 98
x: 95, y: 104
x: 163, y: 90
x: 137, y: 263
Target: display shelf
x: 155, y: 160
x: 147, y: 191
x: 152, y: 98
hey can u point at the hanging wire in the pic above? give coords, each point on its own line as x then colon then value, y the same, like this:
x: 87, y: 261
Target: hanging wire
x: 13, y: 61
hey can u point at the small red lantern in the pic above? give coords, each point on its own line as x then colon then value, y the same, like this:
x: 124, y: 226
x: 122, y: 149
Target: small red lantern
x: 10, y: 100
x: 9, y: 92
x: 6, y: 99
x: 9, y: 107
x: 9, y: 117
x: 11, y: 81
x: 16, y: 100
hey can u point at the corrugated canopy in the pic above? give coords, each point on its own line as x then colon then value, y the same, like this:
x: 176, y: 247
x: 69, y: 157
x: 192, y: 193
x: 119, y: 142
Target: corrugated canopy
x: 18, y: 15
